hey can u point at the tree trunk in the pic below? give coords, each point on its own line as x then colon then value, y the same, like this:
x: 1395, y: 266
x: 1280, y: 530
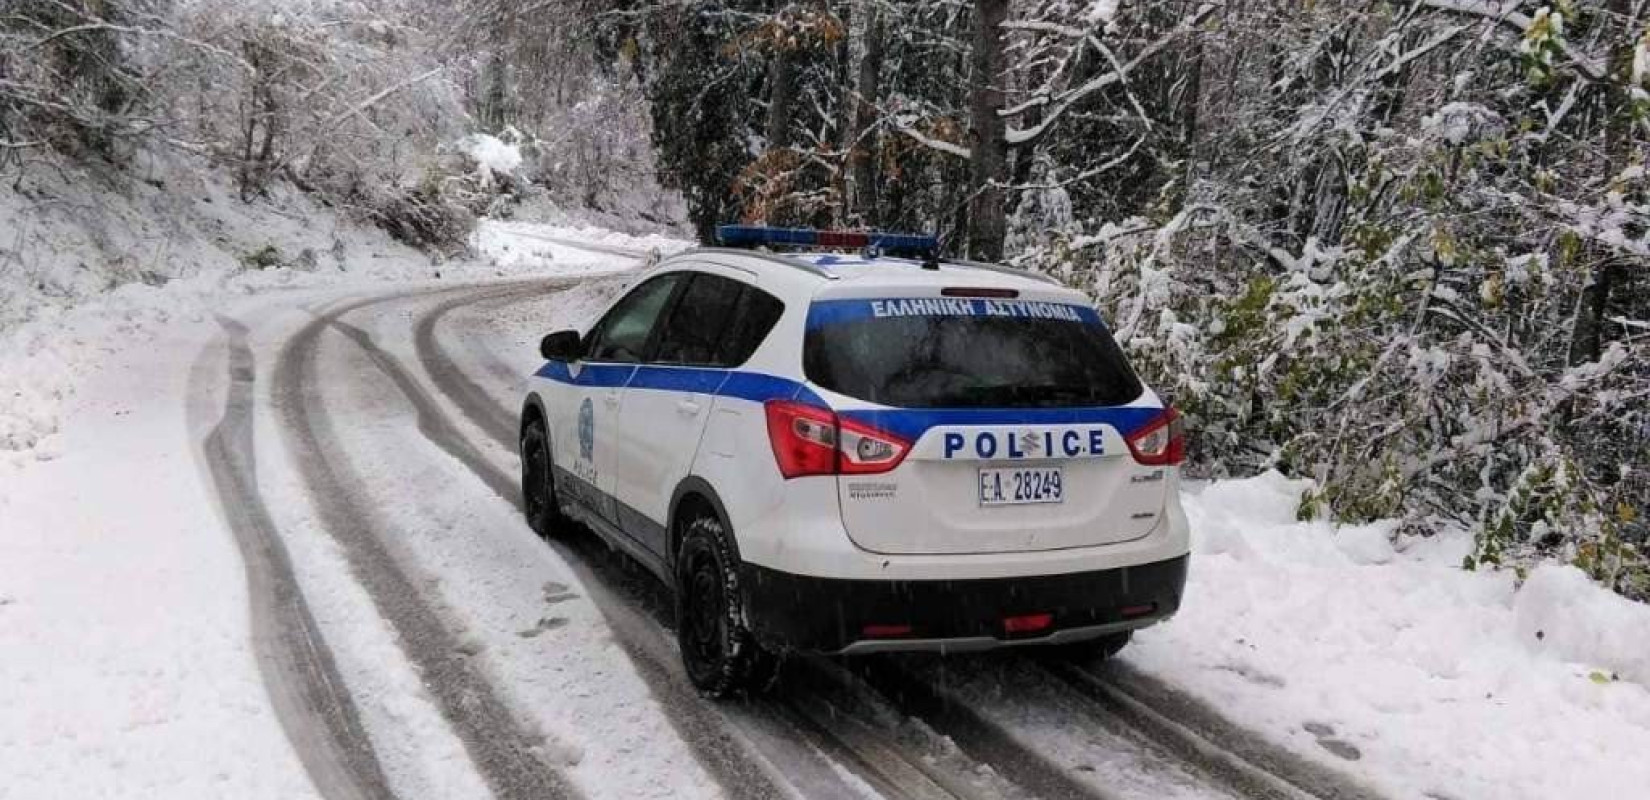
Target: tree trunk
x: 781, y: 92
x: 1586, y: 333
x: 495, y: 93
x: 1191, y: 104
x: 862, y: 189
x: 987, y: 218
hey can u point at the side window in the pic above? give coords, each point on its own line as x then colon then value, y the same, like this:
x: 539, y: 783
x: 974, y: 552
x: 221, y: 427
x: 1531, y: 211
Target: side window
x: 697, y: 321
x: 755, y: 316
x: 622, y: 335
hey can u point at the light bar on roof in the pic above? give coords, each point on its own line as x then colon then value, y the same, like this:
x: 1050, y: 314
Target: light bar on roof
x: 759, y: 235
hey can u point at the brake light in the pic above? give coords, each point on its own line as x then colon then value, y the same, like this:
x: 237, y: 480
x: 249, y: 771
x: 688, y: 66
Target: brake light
x: 1162, y: 442
x: 808, y: 440
x: 803, y: 438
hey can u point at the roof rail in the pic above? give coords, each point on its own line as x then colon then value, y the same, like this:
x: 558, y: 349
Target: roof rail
x: 776, y: 258
x: 988, y: 267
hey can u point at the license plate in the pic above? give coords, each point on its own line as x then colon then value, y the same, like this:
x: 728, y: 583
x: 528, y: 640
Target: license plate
x: 1013, y: 486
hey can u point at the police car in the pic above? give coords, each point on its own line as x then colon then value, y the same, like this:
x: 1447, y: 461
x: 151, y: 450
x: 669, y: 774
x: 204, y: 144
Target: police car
x: 861, y: 452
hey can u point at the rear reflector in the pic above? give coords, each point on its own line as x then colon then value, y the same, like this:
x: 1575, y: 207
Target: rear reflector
x: 1138, y: 611
x: 969, y: 291
x: 1027, y: 623
x: 885, y: 631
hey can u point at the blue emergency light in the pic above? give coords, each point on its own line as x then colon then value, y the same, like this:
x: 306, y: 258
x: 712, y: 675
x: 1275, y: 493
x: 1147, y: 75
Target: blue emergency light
x: 914, y: 244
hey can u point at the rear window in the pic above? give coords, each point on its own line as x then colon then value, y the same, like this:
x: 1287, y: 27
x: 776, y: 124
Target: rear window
x: 966, y: 353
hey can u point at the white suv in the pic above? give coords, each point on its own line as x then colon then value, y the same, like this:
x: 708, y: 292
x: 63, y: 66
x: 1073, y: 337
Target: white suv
x: 856, y: 453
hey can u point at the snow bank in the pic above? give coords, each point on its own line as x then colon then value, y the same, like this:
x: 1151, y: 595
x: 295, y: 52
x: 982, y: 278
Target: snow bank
x: 1565, y: 615
x: 1393, y: 663
x: 526, y: 246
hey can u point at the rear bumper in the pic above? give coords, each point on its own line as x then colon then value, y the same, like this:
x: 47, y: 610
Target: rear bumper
x: 789, y: 612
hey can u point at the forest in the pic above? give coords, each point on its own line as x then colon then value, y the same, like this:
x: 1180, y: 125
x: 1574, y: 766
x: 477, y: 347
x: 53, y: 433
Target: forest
x: 1397, y: 247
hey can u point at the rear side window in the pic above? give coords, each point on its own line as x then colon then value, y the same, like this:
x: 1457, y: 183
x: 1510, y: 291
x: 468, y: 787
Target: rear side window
x: 717, y: 322
x: 966, y: 353
x: 758, y: 313
x: 697, y: 323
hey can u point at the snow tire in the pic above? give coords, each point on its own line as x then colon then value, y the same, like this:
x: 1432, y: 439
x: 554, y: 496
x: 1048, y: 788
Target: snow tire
x: 718, y: 651
x: 538, y: 485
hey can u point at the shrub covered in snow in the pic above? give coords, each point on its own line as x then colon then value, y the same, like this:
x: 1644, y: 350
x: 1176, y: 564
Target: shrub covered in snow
x: 1427, y: 297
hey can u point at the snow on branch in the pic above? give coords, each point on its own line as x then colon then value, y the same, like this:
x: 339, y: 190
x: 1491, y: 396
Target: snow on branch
x: 1059, y: 104
x: 1507, y: 13
x: 930, y: 142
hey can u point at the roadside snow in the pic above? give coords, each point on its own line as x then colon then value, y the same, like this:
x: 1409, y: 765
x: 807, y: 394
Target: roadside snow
x: 1396, y: 665
x: 509, y: 244
x: 127, y: 668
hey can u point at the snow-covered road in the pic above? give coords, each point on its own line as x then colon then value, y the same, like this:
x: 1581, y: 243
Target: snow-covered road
x: 276, y: 553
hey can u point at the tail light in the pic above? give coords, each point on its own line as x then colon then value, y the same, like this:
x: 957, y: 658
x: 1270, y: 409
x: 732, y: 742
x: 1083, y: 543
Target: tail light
x: 808, y: 440
x: 1162, y: 442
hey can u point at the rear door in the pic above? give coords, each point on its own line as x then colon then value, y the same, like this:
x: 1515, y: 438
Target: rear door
x: 667, y: 403
x: 1014, y: 414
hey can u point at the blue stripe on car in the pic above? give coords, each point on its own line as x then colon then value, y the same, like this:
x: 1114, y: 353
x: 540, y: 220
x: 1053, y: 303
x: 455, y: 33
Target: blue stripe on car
x: 907, y: 423
x: 753, y: 386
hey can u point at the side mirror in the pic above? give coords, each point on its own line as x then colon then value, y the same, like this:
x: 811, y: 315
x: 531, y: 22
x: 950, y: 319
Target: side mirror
x: 562, y: 346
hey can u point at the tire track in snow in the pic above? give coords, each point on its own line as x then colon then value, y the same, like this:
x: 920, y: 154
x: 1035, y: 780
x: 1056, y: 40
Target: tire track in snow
x: 1241, y: 760
x: 730, y: 761
x: 472, y: 401
x: 974, y: 733
x: 309, y: 696
x: 511, y: 759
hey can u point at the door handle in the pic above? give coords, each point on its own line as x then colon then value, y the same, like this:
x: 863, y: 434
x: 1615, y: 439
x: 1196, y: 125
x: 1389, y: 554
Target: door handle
x: 687, y: 408
x: 611, y: 398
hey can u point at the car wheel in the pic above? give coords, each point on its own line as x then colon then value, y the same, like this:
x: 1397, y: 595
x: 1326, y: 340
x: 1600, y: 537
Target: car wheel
x: 538, y: 487
x: 720, y: 654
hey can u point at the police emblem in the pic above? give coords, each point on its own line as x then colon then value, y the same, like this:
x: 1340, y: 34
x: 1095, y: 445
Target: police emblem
x: 587, y: 429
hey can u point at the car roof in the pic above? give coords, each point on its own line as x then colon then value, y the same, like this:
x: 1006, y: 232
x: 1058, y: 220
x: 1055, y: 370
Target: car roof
x: 817, y: 270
